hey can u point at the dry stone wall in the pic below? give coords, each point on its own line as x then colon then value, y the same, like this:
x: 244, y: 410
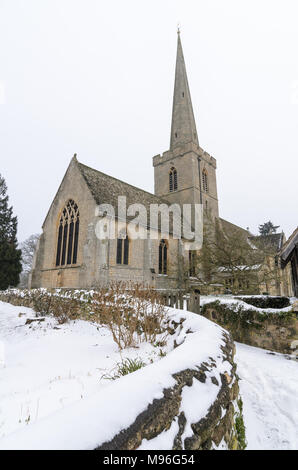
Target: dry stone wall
x: 274, y: 331
x: 217, y: 427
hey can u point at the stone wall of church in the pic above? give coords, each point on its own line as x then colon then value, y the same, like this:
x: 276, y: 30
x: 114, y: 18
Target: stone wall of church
x: 96, y: 264
x: 143, y: 264
x: 211, y: 198
x: 45, y: 272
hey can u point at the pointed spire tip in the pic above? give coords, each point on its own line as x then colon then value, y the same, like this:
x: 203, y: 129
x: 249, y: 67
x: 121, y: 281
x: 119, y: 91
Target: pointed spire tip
x: 183, y: 128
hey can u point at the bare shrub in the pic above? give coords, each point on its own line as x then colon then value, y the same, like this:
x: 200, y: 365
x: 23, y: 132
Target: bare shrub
x: 150, y: 310
x: 132, y: 312
x: 64, y: 308
x: 41, y: 301
x: 114, y: 308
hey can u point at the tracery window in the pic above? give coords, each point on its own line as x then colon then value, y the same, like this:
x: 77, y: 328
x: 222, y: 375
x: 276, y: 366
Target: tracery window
x: 68, y: 235
x: 173, y: 180
x: 163, y: 258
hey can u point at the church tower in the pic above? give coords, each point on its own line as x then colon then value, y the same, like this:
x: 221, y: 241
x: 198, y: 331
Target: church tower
x: 185, y: 174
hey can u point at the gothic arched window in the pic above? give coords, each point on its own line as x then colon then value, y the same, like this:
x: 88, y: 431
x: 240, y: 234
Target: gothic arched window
x: 68, y: 235
x: 173, y: 180
x: 122, y: 250
x: 205, y: 180
x: 163, y: 258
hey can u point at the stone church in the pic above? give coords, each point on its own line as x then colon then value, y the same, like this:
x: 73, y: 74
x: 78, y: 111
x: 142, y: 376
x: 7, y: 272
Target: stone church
x: 70, y: 254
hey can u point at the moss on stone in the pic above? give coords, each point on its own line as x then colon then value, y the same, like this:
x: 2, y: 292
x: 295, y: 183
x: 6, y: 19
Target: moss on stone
x: 240, y: 426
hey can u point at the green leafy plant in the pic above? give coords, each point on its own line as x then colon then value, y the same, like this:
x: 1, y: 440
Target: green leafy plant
x: 125, y: 367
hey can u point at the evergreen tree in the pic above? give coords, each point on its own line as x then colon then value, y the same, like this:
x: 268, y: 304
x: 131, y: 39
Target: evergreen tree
x: 268, y: 228
x: 10, y: 255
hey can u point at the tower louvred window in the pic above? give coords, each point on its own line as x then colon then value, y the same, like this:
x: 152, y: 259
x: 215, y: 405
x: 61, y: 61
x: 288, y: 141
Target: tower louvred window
x: 205, y: 180
x: 68, y: 235
x: 173, y: 180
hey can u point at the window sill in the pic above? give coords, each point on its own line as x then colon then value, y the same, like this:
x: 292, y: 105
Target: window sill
x: 58, y: 268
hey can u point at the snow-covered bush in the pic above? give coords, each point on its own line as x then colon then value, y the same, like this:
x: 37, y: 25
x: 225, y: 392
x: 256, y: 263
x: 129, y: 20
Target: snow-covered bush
x: 266, y: 301
x: 134, y: 313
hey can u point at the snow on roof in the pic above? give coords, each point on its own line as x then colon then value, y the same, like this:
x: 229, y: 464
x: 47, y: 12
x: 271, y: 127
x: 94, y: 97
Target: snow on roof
x: 254, y: 267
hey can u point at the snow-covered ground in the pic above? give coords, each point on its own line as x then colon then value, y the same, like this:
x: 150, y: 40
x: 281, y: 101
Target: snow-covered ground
x: 45, y: 366
x: 269, y: 390
x: 51, y: 392
x: 50, y: 373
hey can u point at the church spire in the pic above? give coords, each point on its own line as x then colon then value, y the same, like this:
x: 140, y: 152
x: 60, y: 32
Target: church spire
x: 183, y: 128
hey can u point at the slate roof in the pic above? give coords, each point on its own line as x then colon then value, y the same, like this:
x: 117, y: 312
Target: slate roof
x: 289, y: 246
x: 228, y: 227
x: 272, y: 242
x: 106, y: 189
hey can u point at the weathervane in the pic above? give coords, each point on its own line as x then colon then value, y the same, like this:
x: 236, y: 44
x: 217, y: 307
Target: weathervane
x: 178, y: 27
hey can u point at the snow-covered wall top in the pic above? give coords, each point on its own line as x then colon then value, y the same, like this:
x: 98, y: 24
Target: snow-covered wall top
x: 267, y: 328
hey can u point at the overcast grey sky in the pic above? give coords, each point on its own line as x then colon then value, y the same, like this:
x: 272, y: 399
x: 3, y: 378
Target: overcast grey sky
x: 96, y: 78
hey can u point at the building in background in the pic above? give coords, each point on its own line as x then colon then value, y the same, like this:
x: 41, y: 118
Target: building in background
x: 69, y: 253
x: 289, y: 259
